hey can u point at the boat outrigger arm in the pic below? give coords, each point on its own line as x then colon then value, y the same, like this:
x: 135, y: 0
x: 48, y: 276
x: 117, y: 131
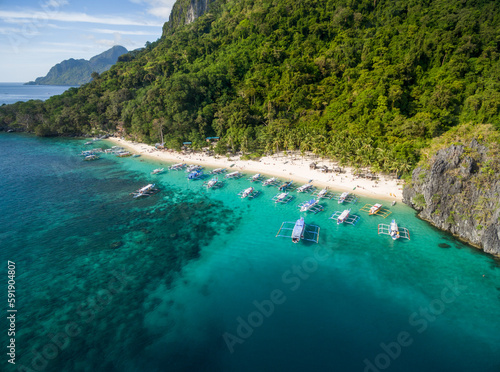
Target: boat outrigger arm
x: 340, y: 218
x: 270, y: 181
x: 346, y: 197
x: 213, y: 183
x: 195, y: 175
x: 282, y: 197
x: 311, y: 206
x: 233, y: 175
x: 299, y: 230
x: 145, y: 191
x: 386, y: 230
x: 255, y: 177
x: 249, y: 193
x: 308, y: 187
x: 285, y: 186
x: 177, y: 166
x: 376, y: 209
x: 323, y: 194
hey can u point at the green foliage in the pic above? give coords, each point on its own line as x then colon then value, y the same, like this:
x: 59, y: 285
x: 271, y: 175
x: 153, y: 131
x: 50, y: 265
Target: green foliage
x: 419, y: 201
x: 451, y: 218
x: 364, y: 82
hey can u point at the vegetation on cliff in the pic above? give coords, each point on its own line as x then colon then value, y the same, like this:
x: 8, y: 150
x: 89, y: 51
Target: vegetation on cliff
x: 456, y: 184
x: 366, y: 82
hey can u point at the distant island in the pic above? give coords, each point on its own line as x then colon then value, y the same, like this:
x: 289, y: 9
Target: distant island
x: 79, y: 71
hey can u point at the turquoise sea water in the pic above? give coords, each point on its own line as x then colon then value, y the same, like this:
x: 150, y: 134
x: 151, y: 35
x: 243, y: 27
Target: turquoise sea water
x: 14, y: 92
x: 195, y: 280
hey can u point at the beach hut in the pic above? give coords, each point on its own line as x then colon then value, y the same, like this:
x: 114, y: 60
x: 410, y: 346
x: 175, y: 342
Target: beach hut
x: 186, y: 145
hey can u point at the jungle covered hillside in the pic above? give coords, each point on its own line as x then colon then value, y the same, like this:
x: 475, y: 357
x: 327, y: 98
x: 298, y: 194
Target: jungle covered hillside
x: 366, y: 82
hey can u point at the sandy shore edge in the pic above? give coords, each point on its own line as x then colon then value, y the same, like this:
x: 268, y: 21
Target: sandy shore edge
x: 285, y: 168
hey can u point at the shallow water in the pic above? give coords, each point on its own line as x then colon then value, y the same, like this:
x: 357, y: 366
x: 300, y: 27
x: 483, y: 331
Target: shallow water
x: 195, y: 280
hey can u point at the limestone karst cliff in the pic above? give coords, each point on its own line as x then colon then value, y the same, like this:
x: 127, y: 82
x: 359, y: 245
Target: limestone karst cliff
x: 457, y: 189
x: 185, y: 12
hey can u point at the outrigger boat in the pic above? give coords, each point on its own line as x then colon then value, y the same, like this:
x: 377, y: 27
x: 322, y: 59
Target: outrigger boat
x: 311, y: 206
x: 193, y: 168
x: 346, y: 197
x: 123, y: 154
x: 345, y: 216
x: 233, y: 175
x: 269, y: 181
x: 214, y: 183
x: 177, y: 166
x: 246, y: 192
x: 249, y: 192
x: 218, y: 171
x: 91, y: 157
x: 157, y: 170
x: 342, y: 197
x: 376, y: 209
x: 255, y: 177
x: 196, y: 175
x: 114, y: 150
x: 283, y: 197
x: 146, y: 191
x: 323, y: 194
x: 91, y: 152
x: 394, y: 231
x: 305, y: 188
x: 285, y: 185
x: 299, y: 231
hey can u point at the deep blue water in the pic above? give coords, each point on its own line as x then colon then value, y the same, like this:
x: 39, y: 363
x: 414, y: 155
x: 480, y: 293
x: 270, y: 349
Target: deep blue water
x: 14, y: 92
x: 195, y: 280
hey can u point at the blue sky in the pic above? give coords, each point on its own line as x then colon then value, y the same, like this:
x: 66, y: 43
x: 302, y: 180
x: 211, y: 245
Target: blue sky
x: 37, y: 34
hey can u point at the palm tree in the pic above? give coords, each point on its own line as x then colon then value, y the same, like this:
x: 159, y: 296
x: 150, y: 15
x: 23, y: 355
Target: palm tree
x: 276, y: 142
x: 405, y: 166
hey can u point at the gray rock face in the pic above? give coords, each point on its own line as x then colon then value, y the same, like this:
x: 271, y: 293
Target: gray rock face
x: 197, y: 8
x: 185, y: 12
x: 459, y: 192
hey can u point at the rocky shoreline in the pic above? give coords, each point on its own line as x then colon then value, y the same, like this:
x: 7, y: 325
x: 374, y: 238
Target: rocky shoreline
x: 458, y: 191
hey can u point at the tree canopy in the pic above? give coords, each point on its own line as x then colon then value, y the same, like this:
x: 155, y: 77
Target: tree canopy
x: 366, y: 82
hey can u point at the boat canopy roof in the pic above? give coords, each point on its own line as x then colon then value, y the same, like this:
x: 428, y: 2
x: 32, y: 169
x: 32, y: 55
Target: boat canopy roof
x: 298, y: 228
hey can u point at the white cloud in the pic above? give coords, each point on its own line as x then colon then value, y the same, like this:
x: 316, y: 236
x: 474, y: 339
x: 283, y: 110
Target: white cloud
x: 38, y: 16
x: 123, y: 32
x: 22, y: 32
x: 54, y: 3
x: 158, y: 8
x: 57, y: 27
x: 160, y: 12
x: 62, y: 44
x: 117, y: 40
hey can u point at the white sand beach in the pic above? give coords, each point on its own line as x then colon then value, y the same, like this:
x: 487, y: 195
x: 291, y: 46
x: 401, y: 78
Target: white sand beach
x: 284, y: 167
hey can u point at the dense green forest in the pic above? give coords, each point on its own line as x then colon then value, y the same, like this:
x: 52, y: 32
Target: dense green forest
x: 366, y: 82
